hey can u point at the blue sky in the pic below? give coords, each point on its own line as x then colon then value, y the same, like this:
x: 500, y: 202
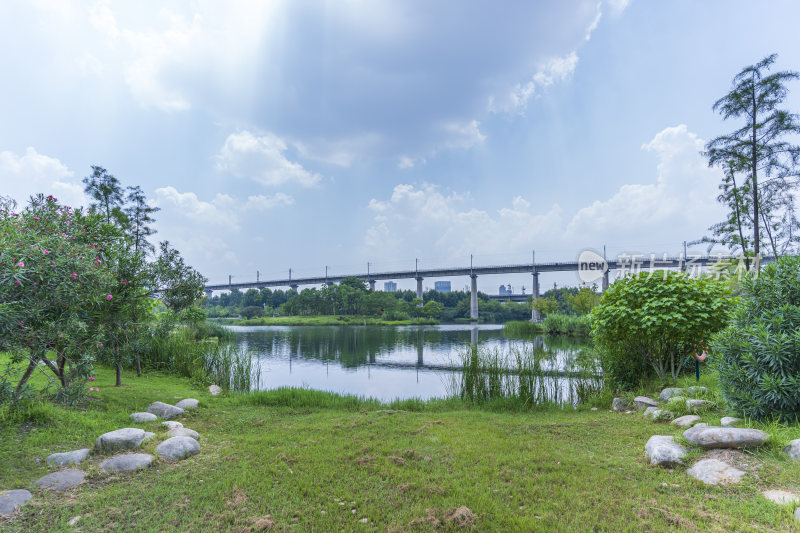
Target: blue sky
x: 304, y: 134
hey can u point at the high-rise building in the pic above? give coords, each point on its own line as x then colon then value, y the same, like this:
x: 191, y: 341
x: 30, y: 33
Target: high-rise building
x: 505, y: 290
x: 441, y: 286
x: 390, y: 286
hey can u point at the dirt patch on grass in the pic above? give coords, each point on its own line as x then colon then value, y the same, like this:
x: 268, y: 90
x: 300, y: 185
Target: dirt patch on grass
x: 461, y: 517
x: 735, y: 458
x: 364, y: 460
x: 396, y: 460
x: 237, y: 498
x: 429, y: 519
x: 426, y: 426
x: 265, y: 523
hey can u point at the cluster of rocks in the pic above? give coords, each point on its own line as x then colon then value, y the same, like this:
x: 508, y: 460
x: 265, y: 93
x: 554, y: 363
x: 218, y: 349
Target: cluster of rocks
x: 663, y: 450
x: 181, y: 443
x: 652, y: 408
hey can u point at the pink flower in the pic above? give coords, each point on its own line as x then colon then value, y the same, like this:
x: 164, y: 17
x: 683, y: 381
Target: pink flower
x: 74, y: 275
x: 36, y: 218
x: 46, y: 252
x: 101, y: 344
x: 109, y: 297
x: 63, y: 234
x: 20, y: 264
x: 52, y: 262
x: 16, y: 282
x: 91, y: 378
x: 21, y: 322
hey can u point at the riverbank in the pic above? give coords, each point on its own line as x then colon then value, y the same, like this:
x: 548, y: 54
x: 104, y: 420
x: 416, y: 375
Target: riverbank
x: 323, y: 320
x: 305, y: 460
x: 555, y: 324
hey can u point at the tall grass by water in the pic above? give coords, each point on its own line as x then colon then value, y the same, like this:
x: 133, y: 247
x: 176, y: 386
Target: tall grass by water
x: 212, y: 360
x: 524, y: 377
x: 553, y: 324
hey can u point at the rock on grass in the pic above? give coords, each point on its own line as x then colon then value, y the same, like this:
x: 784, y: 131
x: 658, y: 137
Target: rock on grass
x: 664, y: 451
x: 61, y: 480
x: 164, y: 410
x: 126, y: 463
x: 68, y: 458
x: 715, y: 472
x: 11, y: 499
x: 177, y: 448
x: 120, y: 439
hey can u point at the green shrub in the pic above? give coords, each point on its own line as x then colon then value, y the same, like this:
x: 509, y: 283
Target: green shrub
x: 648, y: 324
x: 758, y: 354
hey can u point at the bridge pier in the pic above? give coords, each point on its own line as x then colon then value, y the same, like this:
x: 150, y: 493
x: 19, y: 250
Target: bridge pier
x: 605, y: 279
x: 294, y: 287
x: 372, y: 285
x: 535, y: 295
x: 419, y: 287
x: 473, y: 297
x: 209, y: 293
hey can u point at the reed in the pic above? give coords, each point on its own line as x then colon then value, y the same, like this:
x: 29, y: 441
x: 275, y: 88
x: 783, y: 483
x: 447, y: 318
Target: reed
x: 524, y: 377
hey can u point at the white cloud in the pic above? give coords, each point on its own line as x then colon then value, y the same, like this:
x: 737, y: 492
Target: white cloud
x: 262, y: 159
x: 680, y: 202
x: 554, y: 70
x: 340, y: 152
x: 461, y: 135
x: 618, y: 6
x: 32, y: 173
x: 221, y: 211
x: 263, y: 202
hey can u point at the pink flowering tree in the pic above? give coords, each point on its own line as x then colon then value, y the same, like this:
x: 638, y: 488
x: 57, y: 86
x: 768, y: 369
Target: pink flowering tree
x: 53, y: 289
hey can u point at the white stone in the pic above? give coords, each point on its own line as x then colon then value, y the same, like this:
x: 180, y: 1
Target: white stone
x: 621, y: 404
x: 214, y: 389
x: 11, y: 499
x: 171, y: 424
x: 120, y: 439
x: 178, y: 448
x: 183, y: 432
x: 649, y: 412
x: 696, y: 405
x: 68, y: 458
x: 686, y: 421
x: 663, y: 450
x: 716, y: 437
x: 781, y: 497
x: 61, y: 480
x: 668, y: 393
x: 729, y: 421
x: 690, y: 433
x: 793, y: 450
x: 148, y: 435
x: 696, y: 389
x: 188, y: 403
x: 714, y: 472
x: 643, y: 402
x: 126, y: 463
x: 74, y: 520
x: 164, y: 410
x: 143, y: 417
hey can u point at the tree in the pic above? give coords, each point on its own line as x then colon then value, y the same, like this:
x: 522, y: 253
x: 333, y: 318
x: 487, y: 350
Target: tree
x: 656, y: 321
x: 758, y: 146
x: 139, y: 219
x: 584, y: 301
x: 53, y: 289
x: 546, y: 305
x: 106, y: 191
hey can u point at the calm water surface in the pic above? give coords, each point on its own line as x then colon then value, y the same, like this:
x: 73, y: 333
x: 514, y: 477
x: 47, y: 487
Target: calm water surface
x: 382, y: 362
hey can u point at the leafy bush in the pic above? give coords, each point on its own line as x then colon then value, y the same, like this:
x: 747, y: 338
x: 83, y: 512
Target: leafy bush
x: 648, y: 324
x: 758, y: 354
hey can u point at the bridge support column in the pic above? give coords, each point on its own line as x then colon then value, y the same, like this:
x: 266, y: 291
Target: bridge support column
x: 209, y: 294
x: 419, y: 288
x: 605, y: 279
x: 372, y: 284
x: 294, y: 287
x: 535, y: 295
x: 473, y: 297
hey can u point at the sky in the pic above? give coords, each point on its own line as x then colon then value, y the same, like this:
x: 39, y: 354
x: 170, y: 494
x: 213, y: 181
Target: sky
x: 293, y: 134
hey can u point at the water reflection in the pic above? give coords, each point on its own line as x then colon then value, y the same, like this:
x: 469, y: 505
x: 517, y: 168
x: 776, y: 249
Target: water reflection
x: 381, y: 362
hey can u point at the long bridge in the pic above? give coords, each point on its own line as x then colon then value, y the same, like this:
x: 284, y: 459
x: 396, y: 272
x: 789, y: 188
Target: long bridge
x: 595, y: 266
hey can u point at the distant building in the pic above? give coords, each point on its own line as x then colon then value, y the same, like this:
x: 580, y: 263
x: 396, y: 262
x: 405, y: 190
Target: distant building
x: 441, y: 286
x: 390, y: 286
x: 505, y: 290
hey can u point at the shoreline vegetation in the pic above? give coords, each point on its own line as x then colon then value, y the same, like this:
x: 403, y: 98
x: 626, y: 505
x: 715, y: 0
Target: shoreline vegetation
x: 322, y: 320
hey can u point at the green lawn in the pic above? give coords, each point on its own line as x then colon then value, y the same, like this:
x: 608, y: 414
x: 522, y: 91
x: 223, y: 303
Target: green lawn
x: 304, y: 461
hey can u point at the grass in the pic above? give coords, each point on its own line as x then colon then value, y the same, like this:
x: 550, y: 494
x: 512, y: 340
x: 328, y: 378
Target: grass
x: 302, y: 460
x: 553, y: 324
x: 326, y: 320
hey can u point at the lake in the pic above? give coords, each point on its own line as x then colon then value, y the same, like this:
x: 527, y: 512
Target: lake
x: 386, y: 363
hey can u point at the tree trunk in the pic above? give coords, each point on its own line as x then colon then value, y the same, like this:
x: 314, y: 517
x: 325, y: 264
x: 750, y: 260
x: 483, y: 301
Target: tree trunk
x: 25, y: 377
x: 753, y: 163
x: 61, y: 362
x: 119, y: 366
